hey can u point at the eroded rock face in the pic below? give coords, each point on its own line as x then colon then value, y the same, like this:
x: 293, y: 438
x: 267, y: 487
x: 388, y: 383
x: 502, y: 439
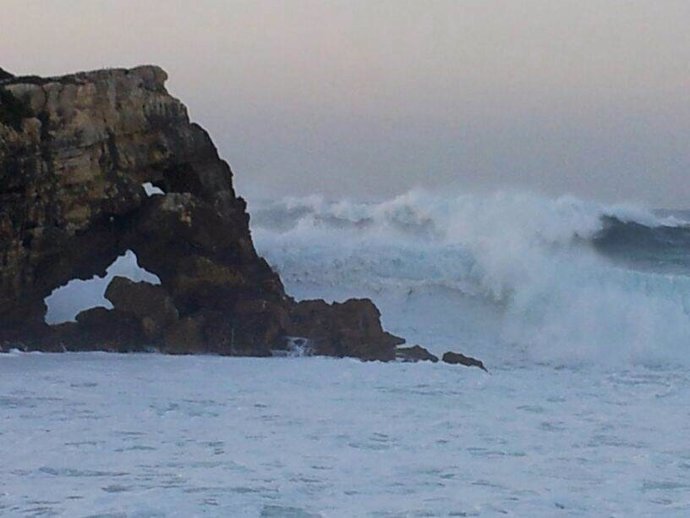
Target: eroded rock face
x: 352, y: 328
x: 416, y: 353
x: 72, y: 171
x: 150, y: 305
x: 74, y: 154
x: 460, y: 359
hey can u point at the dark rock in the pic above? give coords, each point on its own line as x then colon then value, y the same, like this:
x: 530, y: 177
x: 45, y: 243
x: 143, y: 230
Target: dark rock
x: 415, y: 353
x: 101, y: 329
x: 461, y: 359
x: 150, y: 304
x: 258, y: 325
x: 13, y: 111
x: 74, y: 153
x: 185, y: 337
x: 4, y: 74
x: 71, y: 199
x: 352, y: 328
x: 71, y: 180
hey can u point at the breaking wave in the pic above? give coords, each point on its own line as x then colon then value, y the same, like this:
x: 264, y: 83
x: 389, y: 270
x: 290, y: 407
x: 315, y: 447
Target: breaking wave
x: 554, y: 280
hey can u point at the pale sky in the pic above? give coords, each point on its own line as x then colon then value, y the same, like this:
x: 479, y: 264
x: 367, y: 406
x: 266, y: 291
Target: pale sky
x: 371, y: 98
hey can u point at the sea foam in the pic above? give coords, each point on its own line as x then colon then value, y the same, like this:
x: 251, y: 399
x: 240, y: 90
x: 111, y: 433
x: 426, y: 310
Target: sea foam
x: 511, y: 274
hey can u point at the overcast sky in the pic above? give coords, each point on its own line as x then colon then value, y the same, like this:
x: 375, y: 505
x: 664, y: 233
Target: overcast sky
x: 373, y: 97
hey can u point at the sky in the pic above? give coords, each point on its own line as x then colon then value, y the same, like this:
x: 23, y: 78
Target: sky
x: 368, y: 99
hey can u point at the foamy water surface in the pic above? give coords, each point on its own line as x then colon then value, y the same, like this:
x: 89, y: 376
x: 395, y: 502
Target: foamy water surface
x: 581, y: 312
x: 140, y: 435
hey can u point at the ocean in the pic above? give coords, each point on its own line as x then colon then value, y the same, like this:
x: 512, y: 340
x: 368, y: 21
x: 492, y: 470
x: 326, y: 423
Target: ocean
x: 508, y: 277
x: 580, y: 311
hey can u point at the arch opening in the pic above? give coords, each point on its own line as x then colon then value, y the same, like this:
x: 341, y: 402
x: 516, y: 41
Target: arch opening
x: 67, y: 301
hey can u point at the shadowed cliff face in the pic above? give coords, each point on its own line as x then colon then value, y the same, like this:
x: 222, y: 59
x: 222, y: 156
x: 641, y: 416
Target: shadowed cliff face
x: 74, y: 153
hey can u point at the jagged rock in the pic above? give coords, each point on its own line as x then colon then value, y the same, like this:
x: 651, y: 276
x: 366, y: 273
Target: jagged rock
x: 103, y: 329
x: 67, y: 190
x: 461, y: 359
x: 416, y: 353
x: 150, y: 304
x: 75, y: 152
x: 352, y: 328
x: 71, y: 196
x: 258, y: 324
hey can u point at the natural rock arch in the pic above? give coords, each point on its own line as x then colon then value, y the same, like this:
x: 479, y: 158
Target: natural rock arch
x: 72, y: 168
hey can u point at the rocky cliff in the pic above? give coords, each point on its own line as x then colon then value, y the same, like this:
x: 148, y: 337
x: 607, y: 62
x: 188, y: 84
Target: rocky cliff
x: 75, y: 152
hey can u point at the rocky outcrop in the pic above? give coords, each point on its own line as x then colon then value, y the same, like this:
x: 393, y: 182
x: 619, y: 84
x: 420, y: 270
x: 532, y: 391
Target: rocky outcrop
x: 416, y: 353
x: 461, y: 359
x: 150, y: 305
x: 75, y: 152
x: 352, y: 328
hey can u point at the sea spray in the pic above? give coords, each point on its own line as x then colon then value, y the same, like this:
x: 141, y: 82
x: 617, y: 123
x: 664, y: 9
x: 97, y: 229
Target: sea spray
x: 508, y: 275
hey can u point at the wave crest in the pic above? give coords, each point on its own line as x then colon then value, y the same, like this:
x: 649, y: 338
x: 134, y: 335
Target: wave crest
x: 494, y: 271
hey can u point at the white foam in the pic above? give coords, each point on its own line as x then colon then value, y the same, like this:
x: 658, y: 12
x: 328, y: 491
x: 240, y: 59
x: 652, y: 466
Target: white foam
x: 153, y: 435
x: 516, y: 269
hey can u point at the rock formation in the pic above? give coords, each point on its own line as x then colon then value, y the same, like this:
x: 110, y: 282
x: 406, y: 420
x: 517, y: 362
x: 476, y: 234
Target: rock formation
x: 416, y: 353
x: 75, y: 152
x: 461, y: 359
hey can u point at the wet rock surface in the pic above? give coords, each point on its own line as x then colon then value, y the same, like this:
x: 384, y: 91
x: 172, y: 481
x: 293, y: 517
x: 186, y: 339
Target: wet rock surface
x: 150, y: 305
x: 416, y: 353
x: 352, y: 328
x: 461, y: 359
x: 75, y: 152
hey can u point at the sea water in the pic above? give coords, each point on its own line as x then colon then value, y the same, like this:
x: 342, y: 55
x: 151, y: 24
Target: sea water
x: 580, y: 312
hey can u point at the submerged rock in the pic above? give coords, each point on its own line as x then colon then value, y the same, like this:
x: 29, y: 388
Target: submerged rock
x: 461, y: 359
x: 75, y: 153
x: 416, y: 353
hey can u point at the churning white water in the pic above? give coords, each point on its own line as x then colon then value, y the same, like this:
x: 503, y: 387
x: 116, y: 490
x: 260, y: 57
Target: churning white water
x: 514, y: 274
x: 150, y: 436
x: 579, y: 311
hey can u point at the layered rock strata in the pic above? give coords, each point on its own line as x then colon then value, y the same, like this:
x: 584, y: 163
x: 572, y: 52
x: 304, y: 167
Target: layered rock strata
x: 75, y: 152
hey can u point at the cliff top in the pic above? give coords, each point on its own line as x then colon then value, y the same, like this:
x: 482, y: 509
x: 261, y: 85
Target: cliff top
x: 153, y: 76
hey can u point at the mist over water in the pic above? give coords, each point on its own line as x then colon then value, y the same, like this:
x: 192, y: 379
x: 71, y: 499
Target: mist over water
x: 511, y: 276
